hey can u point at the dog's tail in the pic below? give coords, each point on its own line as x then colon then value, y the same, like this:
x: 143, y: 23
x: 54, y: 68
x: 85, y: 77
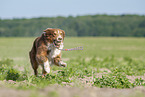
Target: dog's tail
x: 32, y: 53
x: 34, y: 46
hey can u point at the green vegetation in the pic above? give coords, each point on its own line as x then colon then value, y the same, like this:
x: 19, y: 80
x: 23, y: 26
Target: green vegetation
x: 90, y: 25
x: 116, y: 78
x: 104, y: 62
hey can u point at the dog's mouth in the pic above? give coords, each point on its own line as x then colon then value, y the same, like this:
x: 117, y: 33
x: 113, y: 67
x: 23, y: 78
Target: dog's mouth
x: 56, y: 43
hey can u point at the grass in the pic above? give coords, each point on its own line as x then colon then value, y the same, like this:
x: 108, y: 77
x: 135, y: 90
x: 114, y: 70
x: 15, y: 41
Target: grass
x: 18, y: 48
x: 104, y: 62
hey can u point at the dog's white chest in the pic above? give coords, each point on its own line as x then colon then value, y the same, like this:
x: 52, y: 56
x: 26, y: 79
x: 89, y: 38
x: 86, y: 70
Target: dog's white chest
x: 55, y: 52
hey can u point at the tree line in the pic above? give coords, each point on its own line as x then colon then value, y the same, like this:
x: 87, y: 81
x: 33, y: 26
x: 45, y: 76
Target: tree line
x: 88, y: 25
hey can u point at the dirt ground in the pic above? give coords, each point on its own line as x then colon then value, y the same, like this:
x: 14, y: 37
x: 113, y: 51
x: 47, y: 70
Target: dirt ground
x: 59, y: 91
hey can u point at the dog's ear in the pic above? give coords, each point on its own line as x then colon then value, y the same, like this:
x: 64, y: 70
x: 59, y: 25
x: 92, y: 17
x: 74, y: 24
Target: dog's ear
x: 63, y: 34
x: 46, y: 31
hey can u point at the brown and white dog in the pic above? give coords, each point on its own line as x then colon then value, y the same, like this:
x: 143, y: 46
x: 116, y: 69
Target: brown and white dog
x: 46, y: 50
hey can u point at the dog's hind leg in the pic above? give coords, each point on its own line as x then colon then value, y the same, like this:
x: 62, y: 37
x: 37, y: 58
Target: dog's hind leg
x: 33, y: 62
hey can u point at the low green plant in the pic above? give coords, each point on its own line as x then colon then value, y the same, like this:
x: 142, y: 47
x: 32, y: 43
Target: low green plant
x: 139, y: 82
x: 5, y: 64
x: 113, y: 81
x: 12, y: 74
x: 7, y: 71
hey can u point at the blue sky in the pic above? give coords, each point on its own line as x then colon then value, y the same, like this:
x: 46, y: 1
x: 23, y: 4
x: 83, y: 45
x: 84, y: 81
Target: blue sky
x: 49, y: 8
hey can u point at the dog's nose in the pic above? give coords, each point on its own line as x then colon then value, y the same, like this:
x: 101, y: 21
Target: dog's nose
x: 59, y: 38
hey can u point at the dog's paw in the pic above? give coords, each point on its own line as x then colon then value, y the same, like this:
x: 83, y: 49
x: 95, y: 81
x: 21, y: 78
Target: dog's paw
x: 62, y: 64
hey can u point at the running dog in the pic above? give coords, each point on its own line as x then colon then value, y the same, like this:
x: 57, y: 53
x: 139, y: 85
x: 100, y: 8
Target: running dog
x: 46, y: 50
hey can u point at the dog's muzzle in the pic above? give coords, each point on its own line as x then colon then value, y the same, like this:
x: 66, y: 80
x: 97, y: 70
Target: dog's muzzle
x: 57, y: 42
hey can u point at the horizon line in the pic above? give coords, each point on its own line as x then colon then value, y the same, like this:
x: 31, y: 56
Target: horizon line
x: 55, y: 16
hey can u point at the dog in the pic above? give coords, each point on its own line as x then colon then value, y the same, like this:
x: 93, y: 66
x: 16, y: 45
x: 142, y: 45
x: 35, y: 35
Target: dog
x: 46, y: 50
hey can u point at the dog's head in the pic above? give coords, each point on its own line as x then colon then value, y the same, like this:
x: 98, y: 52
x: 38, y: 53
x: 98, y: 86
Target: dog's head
x: 55, y: 36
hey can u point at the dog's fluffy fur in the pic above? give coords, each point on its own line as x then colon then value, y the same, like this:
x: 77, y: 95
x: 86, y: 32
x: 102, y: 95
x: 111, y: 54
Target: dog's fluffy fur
x: 46, y: 50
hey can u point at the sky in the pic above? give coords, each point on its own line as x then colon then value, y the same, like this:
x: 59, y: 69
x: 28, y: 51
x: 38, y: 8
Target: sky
x: 10, y: 9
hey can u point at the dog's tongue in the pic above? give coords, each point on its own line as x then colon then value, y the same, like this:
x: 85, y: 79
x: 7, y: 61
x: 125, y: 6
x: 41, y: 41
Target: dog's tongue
x: 57, y: 46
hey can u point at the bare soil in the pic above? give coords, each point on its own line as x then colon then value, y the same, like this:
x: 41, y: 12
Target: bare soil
x: 58, y: 91
x: 72, y: 91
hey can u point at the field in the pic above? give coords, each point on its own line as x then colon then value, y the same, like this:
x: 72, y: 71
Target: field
x: 106, y: 67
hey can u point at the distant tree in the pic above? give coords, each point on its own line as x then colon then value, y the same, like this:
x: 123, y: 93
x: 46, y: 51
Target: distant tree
x: 89, y: 25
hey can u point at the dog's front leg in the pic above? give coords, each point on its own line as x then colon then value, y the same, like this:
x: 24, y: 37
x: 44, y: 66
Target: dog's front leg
x: 61, y: 63
x: 57, y: 61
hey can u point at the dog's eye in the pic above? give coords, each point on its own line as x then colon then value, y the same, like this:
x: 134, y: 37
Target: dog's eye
x: 54, y: 34
x: 61, y: 33
x: 48, y: 35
